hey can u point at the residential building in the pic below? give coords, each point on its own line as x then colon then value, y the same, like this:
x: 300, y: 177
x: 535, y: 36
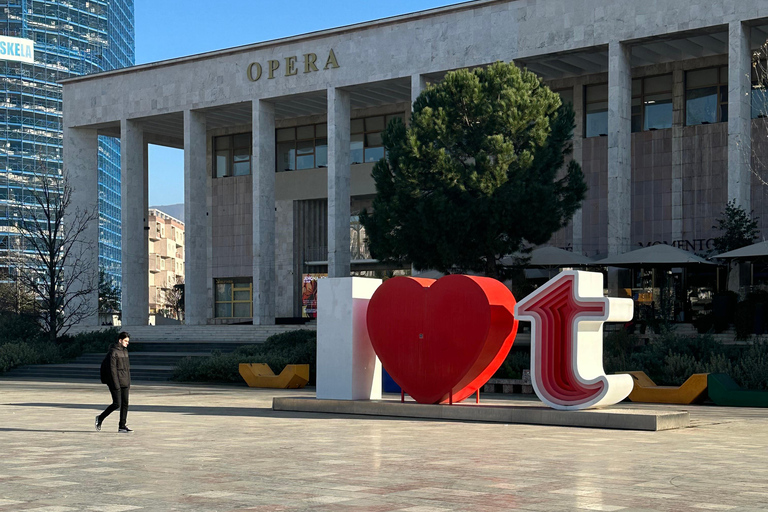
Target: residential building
x: 166, y: 263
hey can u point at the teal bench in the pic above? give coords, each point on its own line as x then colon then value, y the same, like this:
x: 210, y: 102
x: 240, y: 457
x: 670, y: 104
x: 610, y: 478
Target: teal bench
x: 724, y: 391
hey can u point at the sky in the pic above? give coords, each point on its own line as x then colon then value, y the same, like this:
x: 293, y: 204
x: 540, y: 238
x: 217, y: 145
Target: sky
x: 175, y: 28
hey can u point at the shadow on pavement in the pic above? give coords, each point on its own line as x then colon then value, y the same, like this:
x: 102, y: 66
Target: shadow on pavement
x: 256, y: 412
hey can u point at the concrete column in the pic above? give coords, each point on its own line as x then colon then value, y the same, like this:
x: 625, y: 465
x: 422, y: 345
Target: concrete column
x: 81, y: 170
x: 418, y: 84
x: 577, y: 222
x: 739, y: 114
x: 135, y: 230
x: 196, y: 283
x: 678, y: 121
x: 263, y: 170
x: 619, y: 147
x: 339, y: 112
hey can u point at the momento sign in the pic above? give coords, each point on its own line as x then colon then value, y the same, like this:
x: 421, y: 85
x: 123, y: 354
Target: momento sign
x: 17, y: 49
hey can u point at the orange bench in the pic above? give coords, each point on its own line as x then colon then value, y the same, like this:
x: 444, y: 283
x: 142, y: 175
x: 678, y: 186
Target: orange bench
x: 693, y: 390
x: 260, y: 375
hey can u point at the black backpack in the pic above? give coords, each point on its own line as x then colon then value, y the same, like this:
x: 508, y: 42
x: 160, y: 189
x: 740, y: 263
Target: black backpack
x: 106, y: 369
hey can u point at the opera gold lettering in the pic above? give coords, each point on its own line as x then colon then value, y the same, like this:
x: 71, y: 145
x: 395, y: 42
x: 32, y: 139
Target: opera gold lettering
x: 309, y: 62
x: 290, y: 66
x: 273, y: 65
x: 255, y: 69
x: 332, y: 62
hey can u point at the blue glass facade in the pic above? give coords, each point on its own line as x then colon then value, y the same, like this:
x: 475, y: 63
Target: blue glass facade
x: 72, y: 38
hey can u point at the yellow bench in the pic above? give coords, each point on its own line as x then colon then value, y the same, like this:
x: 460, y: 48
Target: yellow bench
x: 693, y: 390
x: 260, y: 375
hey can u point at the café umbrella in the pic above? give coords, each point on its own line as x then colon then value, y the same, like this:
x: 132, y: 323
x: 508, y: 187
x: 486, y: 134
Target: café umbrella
x: 660, y: 255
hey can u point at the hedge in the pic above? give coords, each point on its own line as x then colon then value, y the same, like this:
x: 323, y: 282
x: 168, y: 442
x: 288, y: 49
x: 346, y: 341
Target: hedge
x: 294, y: 347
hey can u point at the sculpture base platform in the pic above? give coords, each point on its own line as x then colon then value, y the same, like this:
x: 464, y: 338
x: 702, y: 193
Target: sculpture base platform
x: 535, y: 414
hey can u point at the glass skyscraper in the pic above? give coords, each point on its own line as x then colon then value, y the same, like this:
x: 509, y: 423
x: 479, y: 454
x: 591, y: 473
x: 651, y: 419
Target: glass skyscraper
x: 71, y: 38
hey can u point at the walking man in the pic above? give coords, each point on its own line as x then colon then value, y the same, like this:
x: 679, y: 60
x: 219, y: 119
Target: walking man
x: 116, y: 374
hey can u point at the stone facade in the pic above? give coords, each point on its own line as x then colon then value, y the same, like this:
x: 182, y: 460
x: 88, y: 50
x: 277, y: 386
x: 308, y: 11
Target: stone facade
x: 645, y: 186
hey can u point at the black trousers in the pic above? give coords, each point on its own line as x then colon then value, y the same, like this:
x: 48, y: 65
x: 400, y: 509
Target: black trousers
x: 119, y: 401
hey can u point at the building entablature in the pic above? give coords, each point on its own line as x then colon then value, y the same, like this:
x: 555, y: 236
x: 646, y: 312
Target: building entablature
x: 554, y: 38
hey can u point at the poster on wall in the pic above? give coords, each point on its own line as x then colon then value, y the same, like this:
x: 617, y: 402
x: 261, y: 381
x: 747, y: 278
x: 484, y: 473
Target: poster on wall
x: 309, y: 294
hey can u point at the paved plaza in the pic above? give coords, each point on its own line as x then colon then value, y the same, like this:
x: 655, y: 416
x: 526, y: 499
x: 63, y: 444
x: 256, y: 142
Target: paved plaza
x: 222, y: 448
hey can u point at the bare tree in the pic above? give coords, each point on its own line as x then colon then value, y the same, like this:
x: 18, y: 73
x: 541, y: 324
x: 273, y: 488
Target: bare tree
x: 174, y: 298
x: 759, y: 101
x: 109, y: 294
x: 48, y: 245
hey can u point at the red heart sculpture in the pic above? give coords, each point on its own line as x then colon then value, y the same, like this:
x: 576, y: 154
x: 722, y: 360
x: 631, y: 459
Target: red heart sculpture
x: 437, y: 338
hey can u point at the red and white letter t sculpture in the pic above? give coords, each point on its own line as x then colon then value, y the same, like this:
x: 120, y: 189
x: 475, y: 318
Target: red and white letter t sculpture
x: 567, y: 316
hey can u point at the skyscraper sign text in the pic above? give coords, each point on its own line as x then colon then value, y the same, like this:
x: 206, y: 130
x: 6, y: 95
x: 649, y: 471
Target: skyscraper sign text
x: 17, y: 49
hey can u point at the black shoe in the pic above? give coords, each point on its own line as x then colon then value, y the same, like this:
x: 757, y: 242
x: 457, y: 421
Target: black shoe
x: 124, y: 430
x: 98, y: 424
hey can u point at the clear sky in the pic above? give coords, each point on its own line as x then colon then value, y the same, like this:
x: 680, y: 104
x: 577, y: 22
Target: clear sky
x: 174, y: 28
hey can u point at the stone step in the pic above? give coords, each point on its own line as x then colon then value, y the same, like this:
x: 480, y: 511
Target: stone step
x: 73, y: 376
x: 144, y: 358
x: 170, y: 346
x: 201, y: 333
x: 89, y: 371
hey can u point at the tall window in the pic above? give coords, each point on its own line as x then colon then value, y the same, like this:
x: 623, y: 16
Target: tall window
x: 759, y: 94
x: 234, y: 298
x: 706, y: 96
x: 303, y: 147
x: 596, y: 110
x: 233, y: 155
x: 652, y: 103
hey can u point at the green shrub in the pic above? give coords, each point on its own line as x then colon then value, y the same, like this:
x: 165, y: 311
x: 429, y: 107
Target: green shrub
x: 751, y: 369
x: 16, y: 328
x: 671, y: 358
x: 705, y: 324
x: 23, y: 353
x: 87, y: 342
x: 28, y: 346
x: 294, y: 347
x: 514, y: 364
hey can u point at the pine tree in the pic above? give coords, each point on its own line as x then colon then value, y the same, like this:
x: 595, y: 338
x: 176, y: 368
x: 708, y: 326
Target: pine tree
x: 478, y: 174
x: 738, y: 228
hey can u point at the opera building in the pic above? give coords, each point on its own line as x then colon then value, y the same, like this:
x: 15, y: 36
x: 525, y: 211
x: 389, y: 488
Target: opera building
x: 280, y: 137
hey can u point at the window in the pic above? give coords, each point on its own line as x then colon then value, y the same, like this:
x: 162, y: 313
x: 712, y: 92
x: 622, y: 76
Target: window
x: 596, y: 110
x: 652, y: 103
x: 365, y: 140
x: 306, y: 147
x: 303, y: 147
x: 759, y: 93
x: 234, y: 298
x: 232, y: 155
x: 706, y: 96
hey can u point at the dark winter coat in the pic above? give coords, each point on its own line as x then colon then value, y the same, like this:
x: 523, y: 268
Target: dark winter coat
x: 117, y: 374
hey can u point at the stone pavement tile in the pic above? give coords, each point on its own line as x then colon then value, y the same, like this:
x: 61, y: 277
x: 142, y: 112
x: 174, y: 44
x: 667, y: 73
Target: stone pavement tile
x: 101, y: 507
